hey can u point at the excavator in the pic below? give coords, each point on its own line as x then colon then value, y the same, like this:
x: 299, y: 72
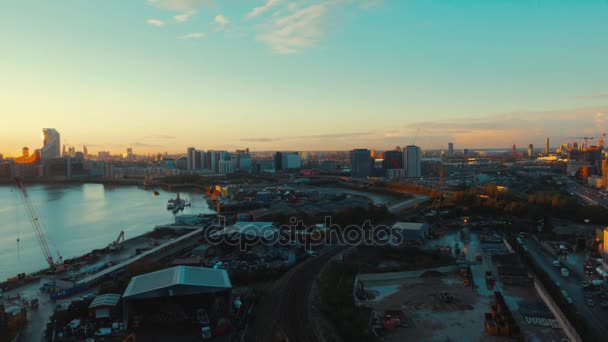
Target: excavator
x: 118, y: 243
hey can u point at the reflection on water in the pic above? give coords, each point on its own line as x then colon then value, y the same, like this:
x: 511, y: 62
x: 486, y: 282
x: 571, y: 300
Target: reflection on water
x: 77, y: 219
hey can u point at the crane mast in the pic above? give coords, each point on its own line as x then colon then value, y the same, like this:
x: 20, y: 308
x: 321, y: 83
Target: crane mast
x: 38, y: 230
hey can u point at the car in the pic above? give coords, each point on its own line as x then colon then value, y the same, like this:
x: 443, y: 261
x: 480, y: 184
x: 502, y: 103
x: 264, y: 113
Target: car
x: 74, y: 324
x: 556, y: 263
x: 584, y: 283
x: 590, y: 303
x: 558, y: 284
x: 103, y: 332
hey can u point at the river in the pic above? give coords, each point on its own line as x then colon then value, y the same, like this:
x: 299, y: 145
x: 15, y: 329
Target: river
x: 77, y: 219
x: 80, y: 218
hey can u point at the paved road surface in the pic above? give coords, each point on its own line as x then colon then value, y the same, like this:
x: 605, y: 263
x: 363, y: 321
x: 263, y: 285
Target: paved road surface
x: 571, y: 285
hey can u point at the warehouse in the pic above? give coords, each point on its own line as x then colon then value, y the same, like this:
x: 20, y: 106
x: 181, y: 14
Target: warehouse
x: 411, y: 231
x: 168, y: 301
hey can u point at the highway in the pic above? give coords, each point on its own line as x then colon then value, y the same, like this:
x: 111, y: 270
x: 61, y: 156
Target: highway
x: 596, y: 316
x: 587, y: 195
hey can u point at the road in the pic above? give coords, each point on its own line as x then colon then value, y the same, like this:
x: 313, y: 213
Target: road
x: 284, y: 313
x: 572, y: 285
x: 402, y: 205
x: 587, y: 195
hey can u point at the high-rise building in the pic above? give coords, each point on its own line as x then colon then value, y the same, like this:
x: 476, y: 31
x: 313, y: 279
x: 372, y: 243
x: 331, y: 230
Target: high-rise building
x: 392, y: 160
x: 360, y: 163
x: 547, y: 146
x: 530, y: 150
x: 52, y: 144
x: 25, y: 152
x: 465, y: 151
x: 278, y: 161
x: 291, y: 161
x: 605, y: 173
x: 450, y: 149
x: 190, y: 155
x: 85, y: 151
x: 411, y: 159
x: 514, y: 150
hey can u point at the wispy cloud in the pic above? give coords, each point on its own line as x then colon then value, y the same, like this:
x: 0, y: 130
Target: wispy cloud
x: 260, y: 139
x: 182, y: 18
x: 159, y: 136
x: 145, y: 145
x: 593, y: 96
x: 300, y: 29
x: 182, y: 5
x: 156, y: 22
x: 221, y: 20
x: 194, y: 35
x: 262, y: 9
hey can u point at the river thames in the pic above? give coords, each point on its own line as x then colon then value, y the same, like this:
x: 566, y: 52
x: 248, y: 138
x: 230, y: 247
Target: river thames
x: 78, y: 219
x: 83, y: 217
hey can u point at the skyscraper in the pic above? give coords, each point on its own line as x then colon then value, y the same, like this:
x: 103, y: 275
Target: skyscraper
x: 605, y: 173
x: 360, y: 163
x: 450, y: 149
x: 547, y: 146
x: 191, y: 158
x: 411, y: 159
x: 52, y: 147
x: 530, y: 150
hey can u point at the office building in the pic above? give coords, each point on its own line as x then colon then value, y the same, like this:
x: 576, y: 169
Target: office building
x: 190, y: 155
x: 291, y: 161
x: 278, y: 161
x: 411, y: 159
x: 605, y: 173
x: 547, y: 146
x: 360, y: 163
x: 51, y: 148
x: 392, y: 164
x: 450, y: 149
x: 530, y: 150
x: 225, y: 166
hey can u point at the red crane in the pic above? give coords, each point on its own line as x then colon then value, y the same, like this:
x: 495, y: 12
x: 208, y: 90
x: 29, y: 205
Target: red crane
x: 38, y: 230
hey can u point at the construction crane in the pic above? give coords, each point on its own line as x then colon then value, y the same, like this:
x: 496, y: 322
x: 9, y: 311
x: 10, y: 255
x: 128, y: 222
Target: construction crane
x: 38, y: 230
x: 584, y: 138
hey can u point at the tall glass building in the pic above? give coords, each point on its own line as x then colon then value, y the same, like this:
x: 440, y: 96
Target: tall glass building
x: 52, y: 147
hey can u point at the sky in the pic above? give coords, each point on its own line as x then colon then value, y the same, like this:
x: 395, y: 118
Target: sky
x: 162, y: 75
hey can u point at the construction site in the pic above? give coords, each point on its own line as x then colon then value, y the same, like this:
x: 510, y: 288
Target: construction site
x: 485, y: 296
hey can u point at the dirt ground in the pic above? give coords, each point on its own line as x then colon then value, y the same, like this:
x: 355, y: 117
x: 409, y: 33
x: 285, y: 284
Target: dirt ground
x: 428, y: 317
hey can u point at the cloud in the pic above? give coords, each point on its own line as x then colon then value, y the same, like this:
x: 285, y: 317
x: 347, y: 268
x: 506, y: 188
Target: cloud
x: 260, y: 139
x: 182, y: 5
x: 194, y: 35
x: 261, y: 9
x: 159, y: 136
x: 182, y: 18
x: 593, y: 96
x: 300, y: 29
x: 221, y: 20
x: 503, y: 130
x: 334, y: 135
x: 145, y: 145
x: 156, y: 22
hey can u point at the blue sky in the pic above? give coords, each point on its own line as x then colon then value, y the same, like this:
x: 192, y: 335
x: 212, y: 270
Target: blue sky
x: 161, y: 75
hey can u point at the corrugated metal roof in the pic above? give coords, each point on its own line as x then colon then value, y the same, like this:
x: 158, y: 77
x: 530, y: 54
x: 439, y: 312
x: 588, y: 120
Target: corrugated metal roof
x: 177, y: 276
x: 108, y: 299
x: 409, y: 225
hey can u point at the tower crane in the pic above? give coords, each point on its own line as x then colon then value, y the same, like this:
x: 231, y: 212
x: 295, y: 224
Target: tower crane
x: 38, y: 230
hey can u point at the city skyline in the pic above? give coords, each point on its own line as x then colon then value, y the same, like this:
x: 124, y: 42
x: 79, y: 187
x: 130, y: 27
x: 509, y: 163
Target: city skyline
x: 163, y: 75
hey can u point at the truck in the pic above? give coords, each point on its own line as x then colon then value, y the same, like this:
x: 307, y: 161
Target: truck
x: 565, y: 272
